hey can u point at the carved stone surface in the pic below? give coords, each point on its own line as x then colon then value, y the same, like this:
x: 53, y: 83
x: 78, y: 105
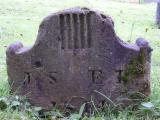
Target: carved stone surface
x: 77, y: 56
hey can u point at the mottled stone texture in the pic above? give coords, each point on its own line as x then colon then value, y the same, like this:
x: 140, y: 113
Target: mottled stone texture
x: 76, y: 56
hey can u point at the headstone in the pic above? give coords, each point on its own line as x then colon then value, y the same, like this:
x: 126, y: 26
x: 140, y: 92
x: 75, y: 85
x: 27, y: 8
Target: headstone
x: 149, y: 1
x: 77, y: 56
x: 158, y: 14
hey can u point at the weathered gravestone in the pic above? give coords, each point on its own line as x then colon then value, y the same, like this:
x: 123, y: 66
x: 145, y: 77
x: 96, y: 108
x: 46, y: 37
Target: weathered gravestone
x: 157, y: 11
x: 158, y: 14
x: 78, y: 55
x: 149, y: 1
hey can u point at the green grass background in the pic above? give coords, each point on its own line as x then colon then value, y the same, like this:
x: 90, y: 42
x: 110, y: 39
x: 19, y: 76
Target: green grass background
x: 20, y: 19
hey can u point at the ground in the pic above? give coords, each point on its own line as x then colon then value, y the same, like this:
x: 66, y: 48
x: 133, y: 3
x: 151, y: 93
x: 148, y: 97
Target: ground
x: 20, y: 19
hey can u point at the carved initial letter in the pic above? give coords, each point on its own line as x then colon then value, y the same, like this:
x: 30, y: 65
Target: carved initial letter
x: 96, y: 76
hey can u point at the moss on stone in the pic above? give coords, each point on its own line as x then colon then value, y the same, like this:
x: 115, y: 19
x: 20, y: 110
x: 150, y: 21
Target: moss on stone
x: 135, y: 68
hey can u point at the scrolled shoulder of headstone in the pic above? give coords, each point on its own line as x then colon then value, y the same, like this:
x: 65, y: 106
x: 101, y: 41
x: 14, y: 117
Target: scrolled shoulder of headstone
x: 77, y: 55
x: 13, y: 48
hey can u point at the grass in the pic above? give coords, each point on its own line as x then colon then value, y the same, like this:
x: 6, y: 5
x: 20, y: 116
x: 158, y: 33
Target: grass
x: 20, y: 19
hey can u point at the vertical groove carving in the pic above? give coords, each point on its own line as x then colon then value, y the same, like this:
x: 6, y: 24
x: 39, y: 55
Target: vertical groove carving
x: 72, y: 32
x: 85, y: 32
x: 89, y: 41
x: 75, y: 31
x: 75, y: 19
x: 66, y: 30
x: 69, y: 32
x: 61, y: 19
x: 78, y: 31
x: 82, y: 30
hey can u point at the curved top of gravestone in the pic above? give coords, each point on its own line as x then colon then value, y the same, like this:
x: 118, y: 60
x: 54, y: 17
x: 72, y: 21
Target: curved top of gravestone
x: 74, y: 20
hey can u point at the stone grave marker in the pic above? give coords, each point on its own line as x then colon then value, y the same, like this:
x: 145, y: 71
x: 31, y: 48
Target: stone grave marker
x: 149, y: 1
x: 77, y: 55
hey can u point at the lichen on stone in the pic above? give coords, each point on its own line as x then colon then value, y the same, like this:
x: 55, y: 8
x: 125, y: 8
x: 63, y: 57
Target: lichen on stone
x: 135, y: 68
